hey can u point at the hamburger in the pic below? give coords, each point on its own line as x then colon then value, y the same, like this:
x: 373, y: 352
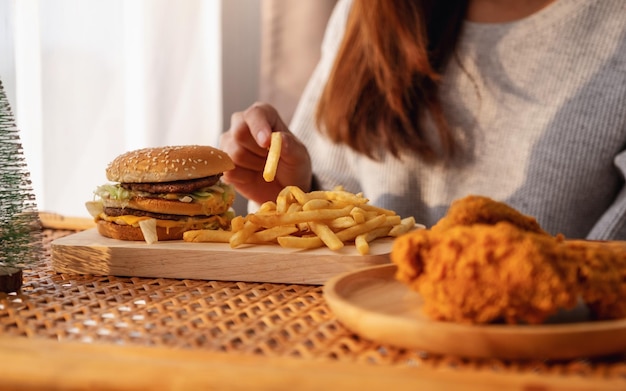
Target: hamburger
x: 159, y: 193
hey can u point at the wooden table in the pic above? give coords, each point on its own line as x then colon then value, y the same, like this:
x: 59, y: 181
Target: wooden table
x: 102, y: 332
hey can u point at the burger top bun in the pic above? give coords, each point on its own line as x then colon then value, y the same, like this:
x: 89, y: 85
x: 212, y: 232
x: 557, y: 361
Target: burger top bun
x: 167, y: 164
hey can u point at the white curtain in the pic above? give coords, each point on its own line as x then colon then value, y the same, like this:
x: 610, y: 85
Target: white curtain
x: 95, y: 78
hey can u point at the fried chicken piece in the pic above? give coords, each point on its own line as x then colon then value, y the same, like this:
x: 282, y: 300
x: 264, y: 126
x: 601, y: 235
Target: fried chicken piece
x: 475, y: 209
x: 486, y: 262
x: 486, y: 273
x: 601, y: 269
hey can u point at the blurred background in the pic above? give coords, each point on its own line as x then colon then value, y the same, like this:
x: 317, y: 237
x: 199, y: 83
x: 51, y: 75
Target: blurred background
x: 90, y: 79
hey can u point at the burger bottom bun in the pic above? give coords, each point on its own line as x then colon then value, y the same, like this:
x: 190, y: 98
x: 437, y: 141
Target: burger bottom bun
x: 128, y: 232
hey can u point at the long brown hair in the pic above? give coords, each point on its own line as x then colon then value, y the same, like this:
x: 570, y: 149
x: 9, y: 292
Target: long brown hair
x: 386, y: 76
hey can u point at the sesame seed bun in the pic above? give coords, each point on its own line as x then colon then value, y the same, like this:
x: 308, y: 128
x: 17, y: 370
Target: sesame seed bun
x: 167, y: 164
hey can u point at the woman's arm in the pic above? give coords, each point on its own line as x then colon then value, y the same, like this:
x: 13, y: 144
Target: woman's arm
x: 612, y: 224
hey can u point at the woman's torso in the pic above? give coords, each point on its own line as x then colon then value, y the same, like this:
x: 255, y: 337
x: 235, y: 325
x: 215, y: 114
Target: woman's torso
x: 538, y: 108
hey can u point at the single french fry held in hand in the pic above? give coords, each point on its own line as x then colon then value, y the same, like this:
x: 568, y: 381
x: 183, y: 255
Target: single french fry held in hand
x: 273, y: 156
x: 311, y: 220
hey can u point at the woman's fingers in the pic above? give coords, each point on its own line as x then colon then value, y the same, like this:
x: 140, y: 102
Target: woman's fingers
x: 240, y: 135
x: 247, y: 142
x: 262, y: 119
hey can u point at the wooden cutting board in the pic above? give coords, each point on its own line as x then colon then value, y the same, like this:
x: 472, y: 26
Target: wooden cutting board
x: 87, y: 252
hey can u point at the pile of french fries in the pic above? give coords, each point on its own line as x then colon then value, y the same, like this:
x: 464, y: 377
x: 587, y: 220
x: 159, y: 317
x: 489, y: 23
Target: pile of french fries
x: 311, y: 220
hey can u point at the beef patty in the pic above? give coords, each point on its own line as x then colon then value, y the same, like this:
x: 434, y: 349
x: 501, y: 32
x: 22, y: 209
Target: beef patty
x: 142, y: 213
x: 181, y: 187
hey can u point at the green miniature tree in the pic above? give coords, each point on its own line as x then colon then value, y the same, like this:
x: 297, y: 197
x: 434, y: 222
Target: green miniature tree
x: 20, y: 228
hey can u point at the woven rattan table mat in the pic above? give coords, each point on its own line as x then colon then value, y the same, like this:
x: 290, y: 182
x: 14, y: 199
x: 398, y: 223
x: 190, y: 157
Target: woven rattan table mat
x: 255, y: 318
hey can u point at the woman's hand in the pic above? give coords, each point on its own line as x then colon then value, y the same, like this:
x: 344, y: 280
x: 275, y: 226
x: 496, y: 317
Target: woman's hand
x: 247, y: 142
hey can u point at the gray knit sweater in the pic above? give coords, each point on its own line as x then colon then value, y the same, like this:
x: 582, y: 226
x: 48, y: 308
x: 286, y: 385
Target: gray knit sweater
x: 539, y: 108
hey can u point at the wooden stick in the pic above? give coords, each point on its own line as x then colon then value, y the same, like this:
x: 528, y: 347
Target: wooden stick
x: 10, y: 279
x: 57, y: 221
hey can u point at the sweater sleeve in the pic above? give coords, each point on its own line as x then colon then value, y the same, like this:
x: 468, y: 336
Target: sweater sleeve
x: 612, y: 224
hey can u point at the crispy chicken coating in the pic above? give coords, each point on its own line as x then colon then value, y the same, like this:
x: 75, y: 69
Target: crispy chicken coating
x: 475, y: 209
x: 601, y: 269
x: 485, y: 262
x: 487, y: 273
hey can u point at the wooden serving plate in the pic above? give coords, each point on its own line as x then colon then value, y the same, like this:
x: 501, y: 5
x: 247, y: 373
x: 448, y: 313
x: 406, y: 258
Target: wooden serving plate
x: 373, y: 304
x: 87, y: 252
